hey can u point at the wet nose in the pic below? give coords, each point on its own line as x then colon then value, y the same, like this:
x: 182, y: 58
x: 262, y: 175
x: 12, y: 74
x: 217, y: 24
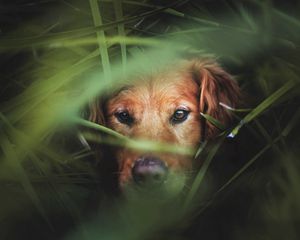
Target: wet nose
x: 149, y: 171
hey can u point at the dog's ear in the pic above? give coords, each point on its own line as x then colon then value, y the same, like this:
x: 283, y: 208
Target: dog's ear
x: 96, y: 112
x: 216, y: 86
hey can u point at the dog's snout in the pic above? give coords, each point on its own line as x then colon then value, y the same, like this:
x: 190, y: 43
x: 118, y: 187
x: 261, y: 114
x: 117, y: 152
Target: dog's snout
x: 149, y: 170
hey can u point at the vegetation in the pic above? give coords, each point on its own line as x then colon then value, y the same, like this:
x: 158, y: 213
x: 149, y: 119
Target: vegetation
x: 56, y: 56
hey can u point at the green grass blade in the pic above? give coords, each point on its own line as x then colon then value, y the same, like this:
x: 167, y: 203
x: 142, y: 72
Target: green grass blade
x: 109, y: 41
x: 101, y: 38
x: 46, y: 40
x: 265, y: 104
x: 200, y: 176
x: 293, y: 122
x: 200, y: 149
x: 137, y: 144
x: 249, y: 163
x: 121, y: 30
x: 262, y: 130
x: 247, y: 18
x: 12, y: 160
x: 213, y: 121
x: 280, y: 14
x: 98, y: 127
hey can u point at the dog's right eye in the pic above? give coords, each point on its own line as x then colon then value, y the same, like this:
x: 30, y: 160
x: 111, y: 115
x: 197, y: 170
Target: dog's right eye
x: 124, y: 117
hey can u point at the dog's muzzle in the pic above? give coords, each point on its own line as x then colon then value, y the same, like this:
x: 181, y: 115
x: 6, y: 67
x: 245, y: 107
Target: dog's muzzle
x: 150, y: 171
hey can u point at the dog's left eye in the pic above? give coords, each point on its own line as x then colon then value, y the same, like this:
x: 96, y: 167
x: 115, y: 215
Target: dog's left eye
x: 179, y: 116
x: 124, y: 117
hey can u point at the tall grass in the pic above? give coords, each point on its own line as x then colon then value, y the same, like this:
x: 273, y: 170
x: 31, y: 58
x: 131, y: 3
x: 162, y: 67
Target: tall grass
x: 45, y: 179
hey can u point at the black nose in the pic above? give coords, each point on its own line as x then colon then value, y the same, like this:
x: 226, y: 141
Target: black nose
x: 149, y: 170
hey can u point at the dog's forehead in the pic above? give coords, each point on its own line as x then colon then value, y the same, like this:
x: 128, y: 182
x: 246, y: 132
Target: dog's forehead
x: 158, y: 91
x: 160, y: 85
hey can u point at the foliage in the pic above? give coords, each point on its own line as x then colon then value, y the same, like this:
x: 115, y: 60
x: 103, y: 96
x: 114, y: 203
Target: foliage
x: 59, y: 55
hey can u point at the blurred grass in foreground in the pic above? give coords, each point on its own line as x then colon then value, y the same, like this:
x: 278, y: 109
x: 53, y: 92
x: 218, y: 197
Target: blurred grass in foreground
x: 87, y: 53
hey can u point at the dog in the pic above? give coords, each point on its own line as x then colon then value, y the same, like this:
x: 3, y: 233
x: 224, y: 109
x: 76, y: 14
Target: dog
x: 165, y: 106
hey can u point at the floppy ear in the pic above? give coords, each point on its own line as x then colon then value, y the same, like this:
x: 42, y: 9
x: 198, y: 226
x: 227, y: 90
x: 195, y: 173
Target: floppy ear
x: 107, y: 180
x: 216, y: 86
x: 96, y: 112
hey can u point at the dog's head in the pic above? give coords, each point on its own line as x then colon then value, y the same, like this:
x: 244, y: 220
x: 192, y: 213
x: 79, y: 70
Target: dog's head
x: 165, y: 107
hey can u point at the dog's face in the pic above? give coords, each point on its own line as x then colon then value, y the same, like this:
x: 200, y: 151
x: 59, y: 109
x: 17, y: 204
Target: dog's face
x: 165, y: 107
x: 162, y: 109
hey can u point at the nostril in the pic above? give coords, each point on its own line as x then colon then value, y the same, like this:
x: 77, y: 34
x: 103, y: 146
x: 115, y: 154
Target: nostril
x: 149, y: 170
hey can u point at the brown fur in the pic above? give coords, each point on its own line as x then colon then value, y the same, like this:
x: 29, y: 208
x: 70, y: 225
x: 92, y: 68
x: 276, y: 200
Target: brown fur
x: 197, y: 84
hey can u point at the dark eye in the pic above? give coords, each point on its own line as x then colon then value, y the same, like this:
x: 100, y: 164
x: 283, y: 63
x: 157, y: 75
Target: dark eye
x: 124, y: 117
x: 179, y: 116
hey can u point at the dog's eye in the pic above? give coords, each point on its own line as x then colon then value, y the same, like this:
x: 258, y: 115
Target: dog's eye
x: 124, y: 117
x: 179, y: 116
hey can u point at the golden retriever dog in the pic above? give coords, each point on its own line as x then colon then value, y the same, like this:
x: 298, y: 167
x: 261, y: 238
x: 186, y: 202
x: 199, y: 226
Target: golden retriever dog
x: 165, y: 106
